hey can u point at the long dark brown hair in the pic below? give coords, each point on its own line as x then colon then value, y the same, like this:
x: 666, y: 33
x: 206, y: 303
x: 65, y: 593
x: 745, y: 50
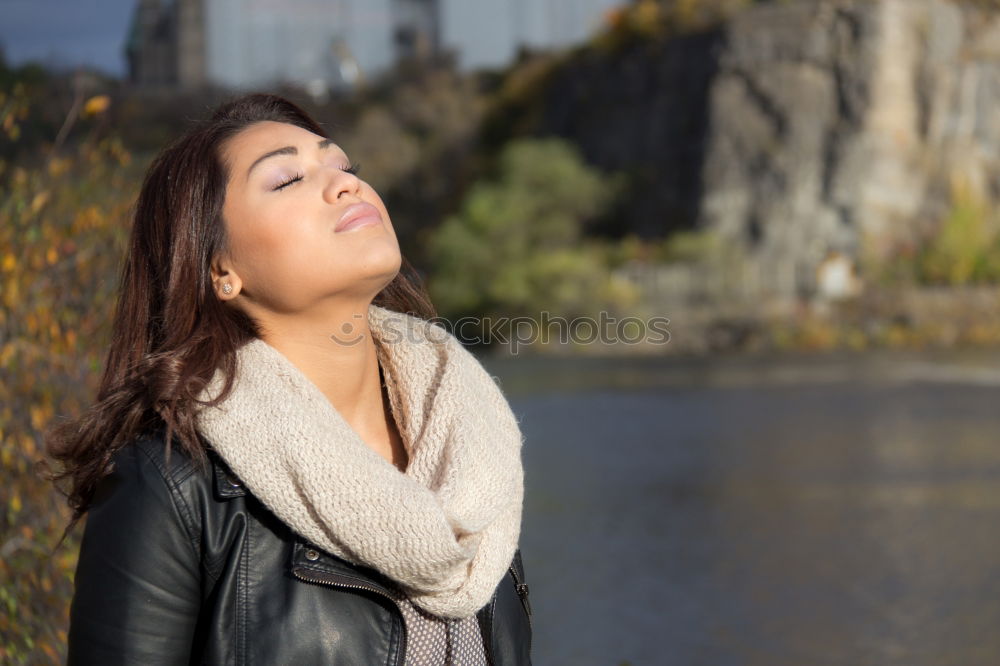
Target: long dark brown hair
x: 170, y: 332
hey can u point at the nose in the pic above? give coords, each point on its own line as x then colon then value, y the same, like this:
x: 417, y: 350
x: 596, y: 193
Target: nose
x: 340, y: 183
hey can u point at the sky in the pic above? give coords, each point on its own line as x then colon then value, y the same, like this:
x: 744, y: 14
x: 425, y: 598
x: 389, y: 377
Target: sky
x: 66, y: 32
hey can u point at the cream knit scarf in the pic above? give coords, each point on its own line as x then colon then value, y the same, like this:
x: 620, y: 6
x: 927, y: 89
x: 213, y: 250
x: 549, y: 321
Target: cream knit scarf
x: 445, y: 529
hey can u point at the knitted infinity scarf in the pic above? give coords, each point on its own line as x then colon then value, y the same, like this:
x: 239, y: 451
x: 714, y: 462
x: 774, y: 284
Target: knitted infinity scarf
x: 445, y: 529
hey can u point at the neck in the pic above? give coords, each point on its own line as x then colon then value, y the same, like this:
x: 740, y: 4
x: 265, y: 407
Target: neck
x: 337, y: 353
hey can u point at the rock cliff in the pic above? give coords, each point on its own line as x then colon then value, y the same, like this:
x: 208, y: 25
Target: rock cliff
x: 796, y: 130
x: 838, y: 126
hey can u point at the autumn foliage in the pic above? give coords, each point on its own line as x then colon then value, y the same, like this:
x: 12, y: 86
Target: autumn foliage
x: 63, y: 223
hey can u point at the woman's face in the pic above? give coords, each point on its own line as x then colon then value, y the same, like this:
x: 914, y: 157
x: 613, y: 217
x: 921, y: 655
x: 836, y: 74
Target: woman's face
x: 288, y: 192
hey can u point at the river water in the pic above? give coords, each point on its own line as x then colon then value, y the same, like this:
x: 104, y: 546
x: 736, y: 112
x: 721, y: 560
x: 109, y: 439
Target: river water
x: 761, y: 511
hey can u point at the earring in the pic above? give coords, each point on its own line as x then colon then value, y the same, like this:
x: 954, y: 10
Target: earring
x: 227, y: 288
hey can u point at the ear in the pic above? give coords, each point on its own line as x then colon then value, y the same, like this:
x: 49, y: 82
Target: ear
x: 224, y: 278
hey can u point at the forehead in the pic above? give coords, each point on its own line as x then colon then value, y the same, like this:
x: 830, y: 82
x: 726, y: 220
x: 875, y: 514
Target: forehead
x: 249, y: 143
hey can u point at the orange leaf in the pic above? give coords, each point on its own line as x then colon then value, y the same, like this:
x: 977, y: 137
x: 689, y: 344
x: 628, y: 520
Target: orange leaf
x: 96, y: 104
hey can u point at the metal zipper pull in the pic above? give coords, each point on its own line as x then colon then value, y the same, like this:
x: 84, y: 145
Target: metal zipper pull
x: 522, y: 592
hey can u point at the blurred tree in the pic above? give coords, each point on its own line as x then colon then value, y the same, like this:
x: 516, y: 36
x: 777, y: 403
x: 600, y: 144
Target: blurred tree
x: 439, y: 111
x: 62, y: 232
x: 639, y: 20
x: 516, y: 248
x: 383, y: 145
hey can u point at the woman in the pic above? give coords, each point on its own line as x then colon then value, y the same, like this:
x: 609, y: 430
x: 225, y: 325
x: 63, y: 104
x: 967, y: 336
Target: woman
x: 287, y: 462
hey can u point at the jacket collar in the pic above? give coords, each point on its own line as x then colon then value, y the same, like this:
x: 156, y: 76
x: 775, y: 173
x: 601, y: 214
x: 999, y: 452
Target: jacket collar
x: 333, y: 570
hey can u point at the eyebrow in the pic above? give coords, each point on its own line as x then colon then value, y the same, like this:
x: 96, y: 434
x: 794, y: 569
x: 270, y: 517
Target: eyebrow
x: 287, y: 150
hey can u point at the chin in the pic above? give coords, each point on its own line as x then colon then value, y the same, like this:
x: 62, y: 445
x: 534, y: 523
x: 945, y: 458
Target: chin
x: 385, y: 260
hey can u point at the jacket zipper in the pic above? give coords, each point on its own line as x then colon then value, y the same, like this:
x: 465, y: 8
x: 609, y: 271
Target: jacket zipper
x: 522, y: 592
x: 314, y: 577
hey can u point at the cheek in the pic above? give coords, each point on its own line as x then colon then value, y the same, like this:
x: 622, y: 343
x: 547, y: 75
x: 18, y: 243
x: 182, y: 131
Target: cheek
x: 270, y: 246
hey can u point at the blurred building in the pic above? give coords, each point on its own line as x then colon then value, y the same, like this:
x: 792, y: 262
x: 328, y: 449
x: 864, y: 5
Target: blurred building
x: 489, y: 33
x: 165, y: 44
x: 417, y: 28
x: 324, y: 44
x: 319, y: 44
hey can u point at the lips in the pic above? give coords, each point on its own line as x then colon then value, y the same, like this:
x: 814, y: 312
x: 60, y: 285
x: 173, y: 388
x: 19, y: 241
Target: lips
x: 358, y: 215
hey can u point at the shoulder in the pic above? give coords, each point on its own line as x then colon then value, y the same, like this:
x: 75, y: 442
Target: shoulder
x: 148, y: 454
x: 149, y: 460
x: 139, y: 571
x: 149, y: 480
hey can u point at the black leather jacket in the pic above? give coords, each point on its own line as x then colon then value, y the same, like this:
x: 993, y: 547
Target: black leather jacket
x: 180, y: 565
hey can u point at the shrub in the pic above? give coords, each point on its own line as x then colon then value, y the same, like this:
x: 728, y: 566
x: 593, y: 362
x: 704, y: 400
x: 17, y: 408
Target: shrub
x: 62, y: 231
x: 516, y: 245
x: 965, y: 247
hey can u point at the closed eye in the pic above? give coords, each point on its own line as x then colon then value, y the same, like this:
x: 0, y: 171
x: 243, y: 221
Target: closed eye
x: 288, y: 182
x: 353, y: 169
